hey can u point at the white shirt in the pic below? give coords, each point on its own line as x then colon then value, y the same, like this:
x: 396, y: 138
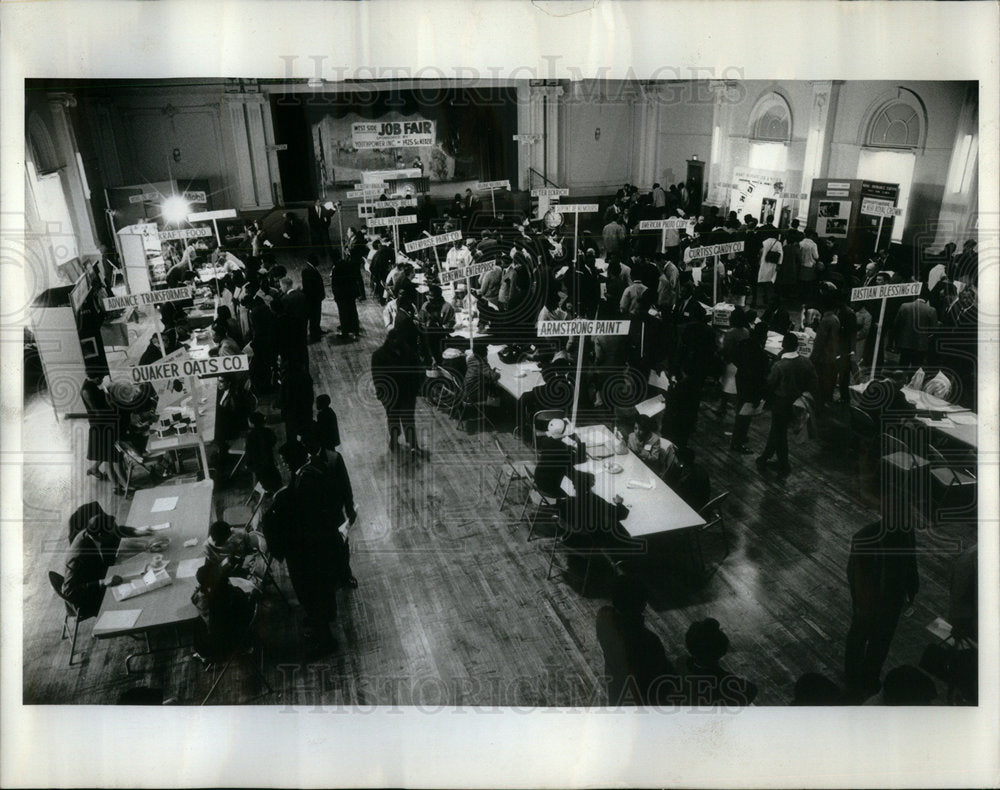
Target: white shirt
x: 458, y: 258
x: 808, y: 253
x: 934, y: 276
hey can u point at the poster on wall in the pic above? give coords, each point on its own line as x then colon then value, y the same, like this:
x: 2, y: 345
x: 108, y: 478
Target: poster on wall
x: 756, y: 192
x: 833, y: 218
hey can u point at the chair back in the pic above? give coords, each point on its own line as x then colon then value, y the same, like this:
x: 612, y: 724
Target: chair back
x: 936, y: 457
x: 861, y: 422
x: 893, y: 444
x: 712, y: 509
x: 56, y: 580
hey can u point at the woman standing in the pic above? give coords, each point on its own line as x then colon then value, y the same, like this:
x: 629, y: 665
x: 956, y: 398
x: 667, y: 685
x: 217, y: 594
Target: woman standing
x: 104, y: 430
x: 751, y: 378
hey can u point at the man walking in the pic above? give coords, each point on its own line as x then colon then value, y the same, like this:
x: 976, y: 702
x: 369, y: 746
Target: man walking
x: 790, y: 377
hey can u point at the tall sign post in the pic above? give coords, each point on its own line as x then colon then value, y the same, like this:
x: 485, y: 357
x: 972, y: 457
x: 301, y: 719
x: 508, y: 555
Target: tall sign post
x: 364, y: 191
x: 492, y: 185
x: 433, y: 242
x: 880, y: 209
x: 466, y: 273
x: 663, y: 225
x: 714, y: 251
x: 394, y: 223
x: 576, y: 209
x: 581, y: 328
x: 883, y: 292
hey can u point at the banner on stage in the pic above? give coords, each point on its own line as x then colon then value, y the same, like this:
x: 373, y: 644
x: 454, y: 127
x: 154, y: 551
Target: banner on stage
x: 392, y: 134
x: 880, y: 208
x: 149, y: 297
x: 576, y: 208
x: 372, y: 187
x: 885, y: 291
x: 550, y: 192
x: 696, y: 253
x: 222, y: 213
x: 464, y: 273
x: 582, y: 326
x: 167, y: 369
x: 389, y: 222
x: 184, y: 233
x: 433, y: 241
x: 504, y: 184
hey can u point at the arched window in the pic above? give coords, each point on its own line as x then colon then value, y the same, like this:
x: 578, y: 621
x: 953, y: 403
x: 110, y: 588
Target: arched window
x: 894, y: 125
x: 770, y: 132
x: 771, y: 120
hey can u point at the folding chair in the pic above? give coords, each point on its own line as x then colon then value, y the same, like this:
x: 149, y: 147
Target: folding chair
x: 244, y: 648
x: 542, y: 502
x: 564, y: 533
x: 946, y: 479
x: 237, y: 448
x: 540, y: 422
x: 56, y: 580
x: 242, y: 515
x: 510, y: 471
x: 714, y: 517
x: 132, y: 460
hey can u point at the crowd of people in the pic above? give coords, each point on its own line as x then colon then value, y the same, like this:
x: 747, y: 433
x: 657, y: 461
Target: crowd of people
x: 786, y: 281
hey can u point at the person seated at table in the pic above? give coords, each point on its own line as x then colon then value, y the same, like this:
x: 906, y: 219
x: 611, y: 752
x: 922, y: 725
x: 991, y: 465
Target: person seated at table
x: 225, y: 346
x: 91, y: 553
x: 704, y: 680
x: 559, y: 450
x: 224, y: 613
x: 465, y: 302
x: 689, y: 480
x: 635, y: 662
x: 400, y: 275
x: 554, y: 392
x: 489, y: 282
x: 551, y: 311
x: 438, y: 320
x: 645, y: 442
x: 180, y: 274
x: 480, y: 378
x: 883, y: 400
x: 259, y: 447
x: 238, y: 550
x: 327, y: 427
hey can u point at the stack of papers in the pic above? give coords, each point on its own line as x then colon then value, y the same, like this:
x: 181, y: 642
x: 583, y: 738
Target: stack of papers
x: 163, y: 504
x: 150, y: 580
x: 116, y: 620
x: 645, y: 484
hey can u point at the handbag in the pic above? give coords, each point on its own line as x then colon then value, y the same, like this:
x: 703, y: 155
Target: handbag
x: 773, y: 255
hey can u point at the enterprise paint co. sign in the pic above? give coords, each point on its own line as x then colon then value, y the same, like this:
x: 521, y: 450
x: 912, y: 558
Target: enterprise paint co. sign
x: 168, y: 369
x: 581, y: 326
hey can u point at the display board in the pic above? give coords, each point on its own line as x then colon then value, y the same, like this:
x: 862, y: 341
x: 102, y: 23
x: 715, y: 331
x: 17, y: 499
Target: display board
x: 756, y: 192
x: 835, y: 211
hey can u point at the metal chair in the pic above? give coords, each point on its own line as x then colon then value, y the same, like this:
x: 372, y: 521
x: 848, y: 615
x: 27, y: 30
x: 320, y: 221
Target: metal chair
x: 242, y: 515
x: 901, y: 458
x: 133, y: 460
x: 72, y: 610
x: 510, y: 471
x: 238, y: 448
x: 244, y: 648
x: 714, y: 517
x: 946, y: 479
x: 542, y: 502
x: 449, y: 391
x: 564, y: 533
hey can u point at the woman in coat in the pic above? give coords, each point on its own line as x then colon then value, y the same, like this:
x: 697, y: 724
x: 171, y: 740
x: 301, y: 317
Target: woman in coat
x: 105, y: 427
x: 751, y: 378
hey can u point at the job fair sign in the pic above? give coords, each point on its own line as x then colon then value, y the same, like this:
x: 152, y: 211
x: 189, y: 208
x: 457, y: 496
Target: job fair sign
x: 392, y: 134
x: 173, y: 368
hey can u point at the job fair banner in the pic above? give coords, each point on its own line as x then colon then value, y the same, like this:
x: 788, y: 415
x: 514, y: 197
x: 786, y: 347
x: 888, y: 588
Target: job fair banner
x: 392, y: 134
x: 756, y: 192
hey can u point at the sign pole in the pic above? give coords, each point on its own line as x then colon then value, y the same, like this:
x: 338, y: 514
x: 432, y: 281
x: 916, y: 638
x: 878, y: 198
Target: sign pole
x: 715, y: 281
x: 878, y: 238
x: 579, y: 373
x: 468, y: 302
x: 493, y: 203
x: 340, y: 224
x: 878, y: 335
x: 663, y: 241
x: 576, y: 230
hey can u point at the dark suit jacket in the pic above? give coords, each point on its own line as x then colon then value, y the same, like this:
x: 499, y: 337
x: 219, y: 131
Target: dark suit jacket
x: 313, y: 288
x: 555, y: 461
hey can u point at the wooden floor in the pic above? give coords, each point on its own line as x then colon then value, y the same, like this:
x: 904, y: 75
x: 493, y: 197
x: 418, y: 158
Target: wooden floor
x: 453, y: 606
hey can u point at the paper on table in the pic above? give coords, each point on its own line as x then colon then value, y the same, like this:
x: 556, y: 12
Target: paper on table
x: 158, y: 527
x: 186, y: 569
x: 651, y: 407
x: 659, y: 380
x: 648, y: 484
x: 115, y: 619
x: 965, y: 418
x: 164, y: 504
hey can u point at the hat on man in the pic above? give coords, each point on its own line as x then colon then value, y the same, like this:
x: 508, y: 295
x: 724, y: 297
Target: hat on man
x: 556, y: 428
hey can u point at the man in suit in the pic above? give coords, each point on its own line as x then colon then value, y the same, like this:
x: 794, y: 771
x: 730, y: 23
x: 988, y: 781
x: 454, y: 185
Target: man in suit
x: 293, y: 318
x: 319, y: 228
x: 790, y: 377
x: 314, y: 292
x: 911, y: 331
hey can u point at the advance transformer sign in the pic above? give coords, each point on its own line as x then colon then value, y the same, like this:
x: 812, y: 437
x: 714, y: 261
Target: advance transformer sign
x: 392, y: 134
